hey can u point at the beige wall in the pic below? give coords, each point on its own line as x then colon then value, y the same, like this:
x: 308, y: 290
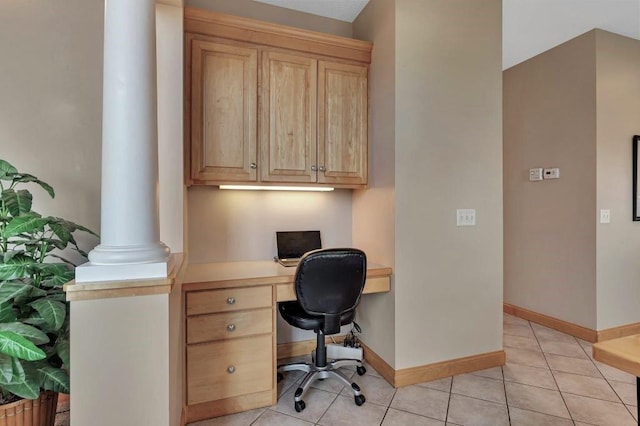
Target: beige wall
x: 120, y: 363
x: 374, y: 208
x: 436, y: 146
x: 227, y: 226
x: 550, y: 121
x: 278, y: 15
x: 575, y: 107
x: 169, y: 42
x: 618, y: 243
x: 51, y: 102
x: 448, y: 152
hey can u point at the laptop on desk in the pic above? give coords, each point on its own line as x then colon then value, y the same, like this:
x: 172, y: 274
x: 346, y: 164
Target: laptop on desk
x: 293, y: 244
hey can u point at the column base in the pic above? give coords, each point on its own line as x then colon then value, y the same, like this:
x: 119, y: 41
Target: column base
x: 124, y: 255
x: 89, y: 272
x: 111, y: 263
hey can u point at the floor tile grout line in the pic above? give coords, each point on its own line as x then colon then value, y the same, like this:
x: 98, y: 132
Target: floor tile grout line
x: 478, y: 399
x: 554, y: 378
x: 504, y: 381
x: 548, y: 415
x: 328, y: 407
x: 506, y: 398
x: 446, y: 414
x: 594, y: 398
x: 385, y: 415
x: 416, y: 414
x: 592, y: 361
x: 395, y: 391
x: 533, y: 386
x: 284, y: 414
x: 256, y: 419
x: 617, y: 394
x: 484, y: 377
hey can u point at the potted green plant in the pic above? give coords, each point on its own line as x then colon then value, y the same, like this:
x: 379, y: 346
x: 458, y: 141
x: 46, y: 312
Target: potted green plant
x: 34, y: 321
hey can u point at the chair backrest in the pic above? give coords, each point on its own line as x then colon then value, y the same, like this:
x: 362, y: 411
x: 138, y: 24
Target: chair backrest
x: 329, y: 282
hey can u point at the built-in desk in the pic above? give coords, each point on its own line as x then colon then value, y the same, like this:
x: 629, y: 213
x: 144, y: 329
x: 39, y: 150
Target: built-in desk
x: 200, y: 276
x: 230, y: 339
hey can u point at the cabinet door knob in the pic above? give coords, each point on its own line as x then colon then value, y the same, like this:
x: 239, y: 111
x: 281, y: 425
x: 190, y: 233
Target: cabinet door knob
x: 253, y: 165
x: 231, y: 301
x: 231, y: 327
x: 314, y: 168
x: 231, y: 369
x: 322, y: 168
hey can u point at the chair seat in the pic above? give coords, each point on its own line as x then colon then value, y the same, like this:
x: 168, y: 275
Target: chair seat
x: 295, y: 315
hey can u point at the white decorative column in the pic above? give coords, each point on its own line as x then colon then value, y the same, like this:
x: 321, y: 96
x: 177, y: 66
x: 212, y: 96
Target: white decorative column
x: 130, y: 245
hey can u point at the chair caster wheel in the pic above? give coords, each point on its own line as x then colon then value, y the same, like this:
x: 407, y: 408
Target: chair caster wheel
x: 361, y: 370
x: 279, y: 377
x: 300, y: 405
x: 359, y: 399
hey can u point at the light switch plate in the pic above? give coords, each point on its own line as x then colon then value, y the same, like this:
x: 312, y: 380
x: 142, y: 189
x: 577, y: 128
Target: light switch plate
x: 605, y: 216
x: 466, y: 217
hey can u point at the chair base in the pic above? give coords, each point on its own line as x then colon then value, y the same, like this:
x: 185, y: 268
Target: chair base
x: 329, y: 371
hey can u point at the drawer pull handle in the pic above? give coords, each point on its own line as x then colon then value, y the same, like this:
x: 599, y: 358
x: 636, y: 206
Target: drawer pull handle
x: 231, y: 301
x: 231, y: 327
x: 231, y: 369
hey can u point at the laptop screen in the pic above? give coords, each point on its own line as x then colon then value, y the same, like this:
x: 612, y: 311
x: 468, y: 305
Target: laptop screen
x: 294, y: 244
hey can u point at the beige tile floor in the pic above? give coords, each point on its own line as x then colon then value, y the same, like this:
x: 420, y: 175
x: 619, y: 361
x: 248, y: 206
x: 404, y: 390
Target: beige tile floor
x: 549, y: 379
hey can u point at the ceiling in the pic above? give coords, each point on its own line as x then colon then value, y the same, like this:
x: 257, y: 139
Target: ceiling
x: 342, y: 10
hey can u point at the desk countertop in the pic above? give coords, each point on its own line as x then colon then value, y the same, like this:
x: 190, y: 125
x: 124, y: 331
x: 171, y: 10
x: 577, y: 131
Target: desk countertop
x: 264, y: 272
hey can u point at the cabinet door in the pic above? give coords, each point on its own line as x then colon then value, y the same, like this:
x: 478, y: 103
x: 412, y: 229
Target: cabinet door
x: 342, y: 123
x: 288, y: 126
x: 224, y: 88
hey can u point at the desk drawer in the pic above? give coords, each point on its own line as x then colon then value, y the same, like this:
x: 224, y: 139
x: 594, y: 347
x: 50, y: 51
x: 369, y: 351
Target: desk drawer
x: 228, y: 325
x: 229, y: 368
x: 228, y: 299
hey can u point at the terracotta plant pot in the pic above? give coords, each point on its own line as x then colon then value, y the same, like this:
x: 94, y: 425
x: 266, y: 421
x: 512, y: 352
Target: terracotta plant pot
x: 30, y: 412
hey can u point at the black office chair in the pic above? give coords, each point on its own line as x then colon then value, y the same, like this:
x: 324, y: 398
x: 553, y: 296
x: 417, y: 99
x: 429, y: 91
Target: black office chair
x: 328, y: 286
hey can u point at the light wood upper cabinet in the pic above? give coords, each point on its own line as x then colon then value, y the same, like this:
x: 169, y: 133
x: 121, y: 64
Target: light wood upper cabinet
x: 270, y: 104
x: 342, y: 123
x: 288, y: 122
x: 224, y: 89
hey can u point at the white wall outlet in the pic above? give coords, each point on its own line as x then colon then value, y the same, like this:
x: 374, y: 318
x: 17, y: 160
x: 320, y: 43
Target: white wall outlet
x: 466, y: 217
x: 605, y: 216
x: 553, y: 173
x: 535, y: 174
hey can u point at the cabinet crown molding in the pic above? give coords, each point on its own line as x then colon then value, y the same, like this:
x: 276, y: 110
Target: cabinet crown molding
x: 275, y: 35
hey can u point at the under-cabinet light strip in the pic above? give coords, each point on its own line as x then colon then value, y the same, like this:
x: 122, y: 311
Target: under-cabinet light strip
x: 277, y: 188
